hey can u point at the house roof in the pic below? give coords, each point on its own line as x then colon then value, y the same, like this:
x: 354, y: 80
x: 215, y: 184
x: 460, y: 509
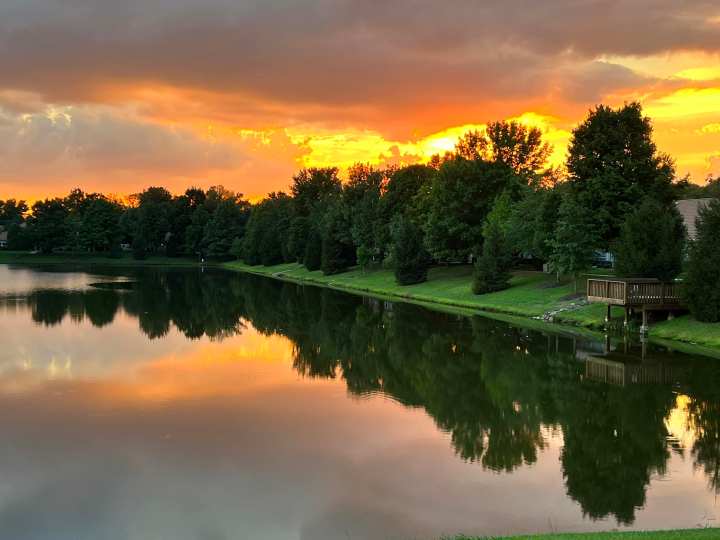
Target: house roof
x: 689, y: 210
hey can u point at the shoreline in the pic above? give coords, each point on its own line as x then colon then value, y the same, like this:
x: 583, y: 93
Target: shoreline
x: 504, y: 305
x: 531, y: 296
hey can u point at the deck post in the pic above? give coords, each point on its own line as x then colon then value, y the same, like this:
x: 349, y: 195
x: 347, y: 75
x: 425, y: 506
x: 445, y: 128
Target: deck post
x: 607, y: 315
x: 644, y: 328
x: 626, y: 322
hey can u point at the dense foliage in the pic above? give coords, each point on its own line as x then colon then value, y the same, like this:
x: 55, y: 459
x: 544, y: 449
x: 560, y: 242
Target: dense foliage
x: 652, y: 251
x: 492, y: 269
x: 412, y: 216
x: 410, y: 259
x: 702, y: 283
x: 613, y: 164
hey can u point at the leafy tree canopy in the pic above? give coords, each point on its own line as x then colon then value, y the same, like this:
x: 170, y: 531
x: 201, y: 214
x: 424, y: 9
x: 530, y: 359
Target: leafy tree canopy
x: 613, y: 164
x: 652, y: 242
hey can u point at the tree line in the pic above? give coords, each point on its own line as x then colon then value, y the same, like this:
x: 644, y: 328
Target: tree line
x: 493, y: 201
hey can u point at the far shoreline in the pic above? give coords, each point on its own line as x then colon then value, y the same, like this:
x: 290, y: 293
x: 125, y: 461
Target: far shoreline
x: 447, y: 290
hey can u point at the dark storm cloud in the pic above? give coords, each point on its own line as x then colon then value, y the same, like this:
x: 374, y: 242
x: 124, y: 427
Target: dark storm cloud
x: 366, y: 53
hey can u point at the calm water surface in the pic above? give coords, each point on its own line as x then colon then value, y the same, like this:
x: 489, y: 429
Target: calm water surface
x: 147, y: 404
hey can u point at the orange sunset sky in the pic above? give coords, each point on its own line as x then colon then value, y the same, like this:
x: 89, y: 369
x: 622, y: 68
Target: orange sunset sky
x: 114, y: 96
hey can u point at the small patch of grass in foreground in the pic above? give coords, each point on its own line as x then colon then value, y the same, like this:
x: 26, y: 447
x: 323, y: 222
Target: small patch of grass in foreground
x: 688, y: 534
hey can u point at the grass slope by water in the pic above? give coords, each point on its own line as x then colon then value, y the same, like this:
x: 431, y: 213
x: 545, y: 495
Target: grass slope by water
x: 531, y: 294
x: 688, y: 534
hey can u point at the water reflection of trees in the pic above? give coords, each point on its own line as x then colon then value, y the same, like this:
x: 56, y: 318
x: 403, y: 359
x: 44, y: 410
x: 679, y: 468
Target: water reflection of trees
x: 498, y: 391
x: 197, y: 305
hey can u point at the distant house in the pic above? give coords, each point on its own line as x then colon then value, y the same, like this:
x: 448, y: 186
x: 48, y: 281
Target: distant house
x: 3, y: 238
x: 689, y: 210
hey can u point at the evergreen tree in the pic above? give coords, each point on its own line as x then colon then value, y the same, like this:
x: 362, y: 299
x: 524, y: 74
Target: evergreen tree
x: 312, y: 258
x: 492, y: 269
x: 702, y: 284
x: 410, y: 259
x: 651, y: 243
x: 338, y: 251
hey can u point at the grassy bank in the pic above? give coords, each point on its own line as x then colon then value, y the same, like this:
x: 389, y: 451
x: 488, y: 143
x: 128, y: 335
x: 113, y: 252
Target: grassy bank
x: 690, y: 534
x: 125, y: 259
x: 531, y: 294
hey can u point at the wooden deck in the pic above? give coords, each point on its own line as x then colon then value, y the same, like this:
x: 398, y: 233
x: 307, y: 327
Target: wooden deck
x: 640, y: 293
x: 635, y: 294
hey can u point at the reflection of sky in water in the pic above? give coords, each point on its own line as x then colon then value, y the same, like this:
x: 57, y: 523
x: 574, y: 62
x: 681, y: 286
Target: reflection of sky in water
x: 108, y: 435
x: 18, y: 280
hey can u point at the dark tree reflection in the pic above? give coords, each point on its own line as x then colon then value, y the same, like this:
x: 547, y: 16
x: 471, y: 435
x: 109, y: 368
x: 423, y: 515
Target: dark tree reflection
x: 500, y: 392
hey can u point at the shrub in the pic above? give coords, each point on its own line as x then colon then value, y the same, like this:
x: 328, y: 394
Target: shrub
x: 702, y: 285
x: 651, y: 243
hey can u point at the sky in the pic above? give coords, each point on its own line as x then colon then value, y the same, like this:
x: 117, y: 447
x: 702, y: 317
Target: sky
x: 115, y: 96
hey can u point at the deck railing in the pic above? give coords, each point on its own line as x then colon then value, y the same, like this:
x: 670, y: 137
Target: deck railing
x: 633, y: 292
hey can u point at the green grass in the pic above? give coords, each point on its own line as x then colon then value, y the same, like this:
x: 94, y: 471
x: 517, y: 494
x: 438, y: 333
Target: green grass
x: 688, y: 330
x: 689, y: 534
x: 531, y: 294
x: 126, y: 259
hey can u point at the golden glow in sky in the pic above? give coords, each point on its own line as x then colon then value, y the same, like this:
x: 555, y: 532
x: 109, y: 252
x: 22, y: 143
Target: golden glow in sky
x: 228, y: 94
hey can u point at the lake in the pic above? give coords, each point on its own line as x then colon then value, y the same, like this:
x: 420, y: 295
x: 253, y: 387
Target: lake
x: 201, y: 404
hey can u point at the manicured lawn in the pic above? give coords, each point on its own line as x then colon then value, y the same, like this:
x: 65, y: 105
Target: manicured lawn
x: 689, y: 330
x: 531, y: 294
x: 690, y: 534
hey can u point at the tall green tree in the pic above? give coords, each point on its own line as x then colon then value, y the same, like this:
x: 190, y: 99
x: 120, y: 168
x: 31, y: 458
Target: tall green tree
x: 361, y: 195
x: 511, y: 143
x: 100, y: 225
x: 574, y: 242
x: 153, y: 216
x: 492, y: 268
x: 702, y: 283
x: 266, y: 231
x: 532, y: 221
x: 311, y: 191
x: 338, y: 250
x: 518, y: 146
x: 48, y: 224
x: 226, y: 224
x: 410, y: 259
x: 400, y: 198
x: 454, y: 206
x: 613, y: 163
x: 652, y: 242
